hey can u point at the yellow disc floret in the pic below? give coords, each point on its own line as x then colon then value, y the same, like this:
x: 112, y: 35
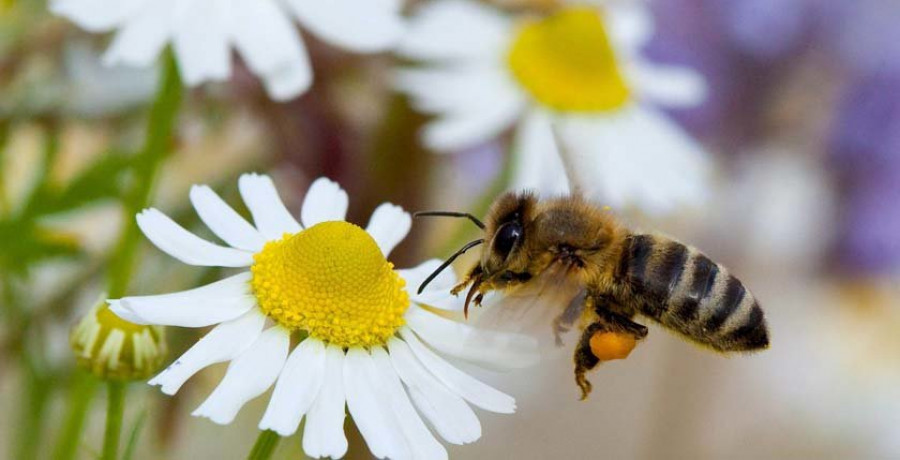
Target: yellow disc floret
x: 566, y: 62
x: 332, y: 282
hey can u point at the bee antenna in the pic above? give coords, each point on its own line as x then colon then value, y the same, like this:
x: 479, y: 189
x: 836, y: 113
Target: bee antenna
x: 450, y: 214
x: 447, y: 263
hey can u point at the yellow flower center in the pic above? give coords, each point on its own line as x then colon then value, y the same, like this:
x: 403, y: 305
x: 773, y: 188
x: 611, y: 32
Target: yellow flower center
x: 567, y: 62
x: 331, y: 281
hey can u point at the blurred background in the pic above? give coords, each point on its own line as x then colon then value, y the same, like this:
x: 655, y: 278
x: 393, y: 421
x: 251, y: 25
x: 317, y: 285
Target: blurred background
x: 802, y: 121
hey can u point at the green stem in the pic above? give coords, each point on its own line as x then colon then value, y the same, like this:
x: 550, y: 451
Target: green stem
x: 115, y: 410
x: 84, y: 386
x: 34, y: 406
x: 265, y: 445
x: 160, y: 128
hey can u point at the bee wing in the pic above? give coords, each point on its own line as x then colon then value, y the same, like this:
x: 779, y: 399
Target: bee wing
x: 545, y: 308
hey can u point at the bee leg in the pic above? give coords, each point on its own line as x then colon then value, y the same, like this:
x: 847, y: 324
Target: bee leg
x: 585, y: 359
x: 611, y: 337
x: 473, y: 276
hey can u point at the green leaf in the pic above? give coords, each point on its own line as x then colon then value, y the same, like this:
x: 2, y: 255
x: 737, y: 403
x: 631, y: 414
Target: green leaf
x: 100, y: 181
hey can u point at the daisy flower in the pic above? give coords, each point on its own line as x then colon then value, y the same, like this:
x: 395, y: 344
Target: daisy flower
x: 577, y: 70
x: 365, y: 339
x: 203, y: 32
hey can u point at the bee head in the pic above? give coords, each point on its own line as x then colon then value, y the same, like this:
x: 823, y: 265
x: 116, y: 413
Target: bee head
x: 505, y: 258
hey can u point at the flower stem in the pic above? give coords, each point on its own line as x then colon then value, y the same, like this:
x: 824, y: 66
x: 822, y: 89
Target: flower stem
x: 160, y: 128
x: 265, y: 445
x: 82, y: 393
x: 115, y: 410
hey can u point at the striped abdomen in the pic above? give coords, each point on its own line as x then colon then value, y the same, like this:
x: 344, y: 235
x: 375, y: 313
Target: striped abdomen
x: 683, y: 290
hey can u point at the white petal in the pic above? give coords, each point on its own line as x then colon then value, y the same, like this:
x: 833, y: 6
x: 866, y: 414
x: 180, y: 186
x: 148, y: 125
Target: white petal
x: 115, y: 305
x: 630, y: 25
x: 366, y: 403
x: 225, y: 342
x: 388, y: 225
x: 437, y: 293
x: 290, y: 81
x: 211, y: 304
x: 183, y: 245
x: 456, y: 30
x: 297, y: 387
x: 224, y: 221
x: 269, y: 213
x: 670, y: 86
x: 323, y: 432
x: 457, y: 381
x: 637, y: 157
x: 248, y: 376
x: 459, y: 131
x: 264, y: 35
x: 537, y: 163
x: 491, y: 349
x: 271, y: 46
x: 457, y: 88
x: 142, y: 36
x: 97, y: 15
x: 416, y: 275
x: 325, y: 201
x: 476, y: 103
x: 201, y: 40
x: 421, y: 442
x: 450, y: 416
x: 363, y: 26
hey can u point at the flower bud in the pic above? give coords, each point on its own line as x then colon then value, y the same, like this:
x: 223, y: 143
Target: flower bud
x: 114, y: 349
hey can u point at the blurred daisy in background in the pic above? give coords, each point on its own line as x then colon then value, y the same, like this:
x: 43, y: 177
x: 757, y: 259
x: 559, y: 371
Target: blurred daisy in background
x: 202, y: 33
x: 328, y: 284
x: 578, y: 70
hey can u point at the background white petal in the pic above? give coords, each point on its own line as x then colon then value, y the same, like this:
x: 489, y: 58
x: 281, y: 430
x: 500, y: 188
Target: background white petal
x: 223, y: 343
x: 456, y: 131
x: 450, y: 416
x: 270, y: 215
x: 457, y: 88
x: 436, y: 32
x: 464, y: 385
x: 363, y: 26
x: 538, y: 165
x: 388, y: 225
x: 216, y: 302
x: 224, y: 221
x: 636, y: 158
x: 366, y: 401
x: 422, y: 443
x: 288, y: 82
x: 248, y: 376
x: 296, y: 389
x: 630, y: 24
x: 271, y: 46
x: 323, y: 432
x: 325, y: 201
x: 492, y: 349
x: 183, y: 245
x: 201, y: 40
x: 97, y: 15
x: 142, y: 36
x: 665, y: 85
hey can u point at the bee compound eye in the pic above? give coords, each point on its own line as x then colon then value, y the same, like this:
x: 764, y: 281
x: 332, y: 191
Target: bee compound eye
x: 507, y: 236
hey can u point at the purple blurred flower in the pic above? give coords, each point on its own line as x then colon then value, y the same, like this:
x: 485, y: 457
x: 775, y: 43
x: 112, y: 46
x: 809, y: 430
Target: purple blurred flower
x: 871, y: 237
x: 865, y: 149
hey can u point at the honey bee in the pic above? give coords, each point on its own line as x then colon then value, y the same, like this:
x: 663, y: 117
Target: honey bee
x: 617, y: 275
